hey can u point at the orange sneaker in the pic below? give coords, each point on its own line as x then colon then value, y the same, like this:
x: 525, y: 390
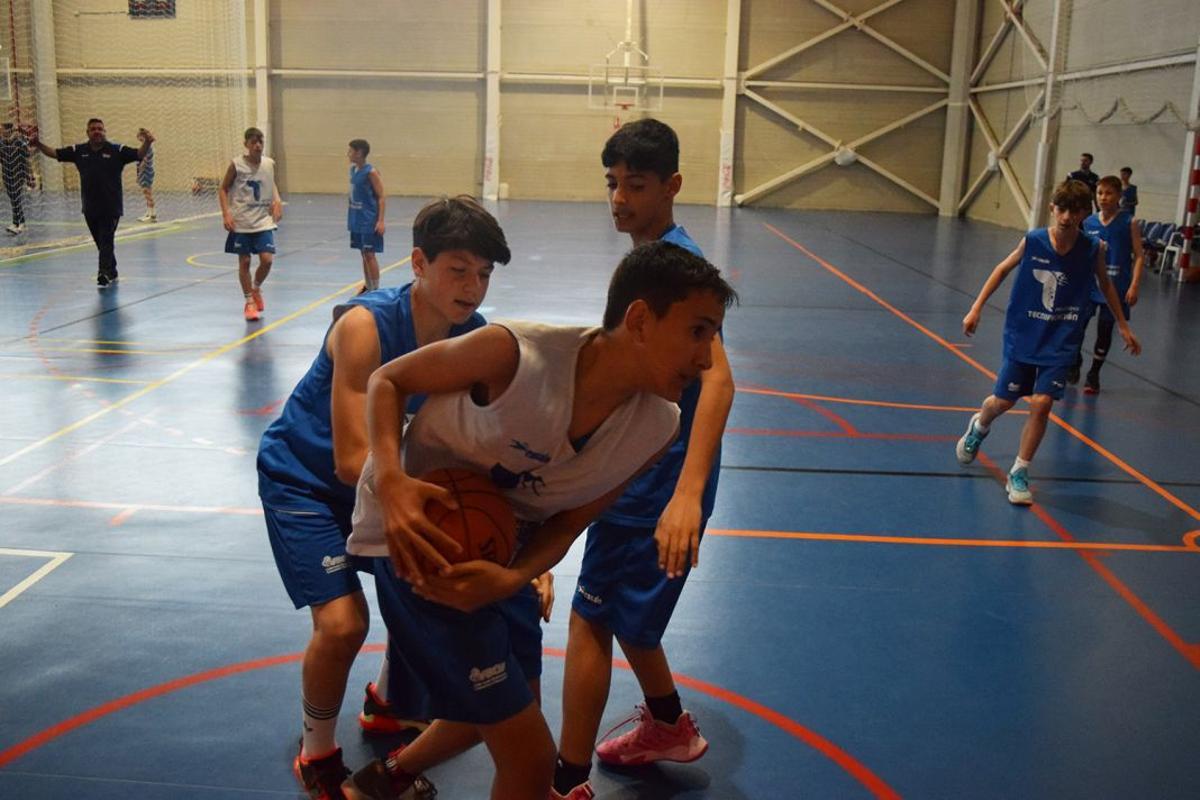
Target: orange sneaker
x: 251, y: 311
x: 379, y: 717
x: 258, y: 301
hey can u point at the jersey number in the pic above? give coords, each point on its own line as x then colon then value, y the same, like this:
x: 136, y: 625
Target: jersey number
x: 256, y: 186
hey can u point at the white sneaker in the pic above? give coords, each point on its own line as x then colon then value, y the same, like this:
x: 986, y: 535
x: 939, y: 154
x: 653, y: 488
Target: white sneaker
x: 148, y: 217
x: 15, y: 229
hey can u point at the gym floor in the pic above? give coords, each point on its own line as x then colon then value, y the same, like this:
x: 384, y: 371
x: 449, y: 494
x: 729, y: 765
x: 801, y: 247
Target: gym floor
x: 868, y: 619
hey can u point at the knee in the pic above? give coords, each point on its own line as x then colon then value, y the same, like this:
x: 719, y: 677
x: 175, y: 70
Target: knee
x: 1040, y: 405
x: 344, y: 631
x: 581, y: 628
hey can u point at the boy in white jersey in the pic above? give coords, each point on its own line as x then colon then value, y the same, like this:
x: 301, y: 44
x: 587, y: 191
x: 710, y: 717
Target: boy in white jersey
x: 251, y: 210
x: 561, y: 418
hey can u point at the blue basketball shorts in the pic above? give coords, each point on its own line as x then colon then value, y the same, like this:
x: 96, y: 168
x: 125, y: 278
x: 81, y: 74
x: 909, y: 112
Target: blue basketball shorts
x: 474, y: 667
x: 244, y: 244
x: 1017, y: 379
x: 309, y: 543
x: 145, y: 178
x: 621, y: 586
x: 367, y: 242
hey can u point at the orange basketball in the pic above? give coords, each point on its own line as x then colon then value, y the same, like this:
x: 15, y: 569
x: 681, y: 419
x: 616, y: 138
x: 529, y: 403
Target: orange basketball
x: 483, y: 523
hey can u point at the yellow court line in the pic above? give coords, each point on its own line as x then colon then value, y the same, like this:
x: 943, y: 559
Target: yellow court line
x: 43, y: 571
x: 179, y: 373
x: 953, y: 542
x: 68, y: 378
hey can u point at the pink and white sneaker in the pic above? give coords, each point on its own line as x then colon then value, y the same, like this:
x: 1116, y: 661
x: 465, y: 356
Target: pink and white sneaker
x: 583, y: 791
x: 652, y: 740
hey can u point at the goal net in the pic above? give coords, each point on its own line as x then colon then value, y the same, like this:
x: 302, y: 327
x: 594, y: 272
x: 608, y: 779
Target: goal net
x: 177, y: 69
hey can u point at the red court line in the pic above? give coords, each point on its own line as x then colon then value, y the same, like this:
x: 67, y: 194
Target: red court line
x: 846, y: 427
x: 848, y: 763
x: 1188, y: 651
x: 1120, y: 464
x: 859, y: 402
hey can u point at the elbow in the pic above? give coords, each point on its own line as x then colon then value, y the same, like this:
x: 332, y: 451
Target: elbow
x: 347, y: 474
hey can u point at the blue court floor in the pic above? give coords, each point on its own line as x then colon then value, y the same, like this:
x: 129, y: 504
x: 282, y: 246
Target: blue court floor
x: 868, y: 619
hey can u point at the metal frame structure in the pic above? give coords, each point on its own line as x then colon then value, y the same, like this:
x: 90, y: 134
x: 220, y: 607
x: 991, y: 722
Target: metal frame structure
x: 840, y: 152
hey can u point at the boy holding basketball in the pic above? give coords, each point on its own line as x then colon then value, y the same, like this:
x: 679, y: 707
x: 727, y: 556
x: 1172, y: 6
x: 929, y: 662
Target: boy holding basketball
x: 641, y: 550
x: 1046, y: 319
x: 561, y: 418
x: 251, y: 210
x: 310, y: 459
x: 365, y: 215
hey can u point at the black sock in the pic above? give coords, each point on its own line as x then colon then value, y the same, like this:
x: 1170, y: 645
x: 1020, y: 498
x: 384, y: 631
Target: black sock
x: 567, y: 775
x: 665, y: 709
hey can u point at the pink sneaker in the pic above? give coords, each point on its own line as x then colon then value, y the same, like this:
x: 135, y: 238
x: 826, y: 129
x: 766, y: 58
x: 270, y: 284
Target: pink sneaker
x: 652, y: 740
x: 583, y: 791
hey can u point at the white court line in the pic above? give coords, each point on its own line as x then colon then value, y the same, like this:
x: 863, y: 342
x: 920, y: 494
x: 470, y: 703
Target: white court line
x: 46, y: 569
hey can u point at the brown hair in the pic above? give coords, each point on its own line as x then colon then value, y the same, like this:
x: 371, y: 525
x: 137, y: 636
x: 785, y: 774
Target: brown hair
x: 1111, y: 181
x: 1073, y: 196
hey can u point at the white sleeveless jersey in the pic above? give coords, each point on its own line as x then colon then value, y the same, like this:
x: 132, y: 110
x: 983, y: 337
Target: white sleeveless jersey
x: 251, y: 195
x: 520, y: 439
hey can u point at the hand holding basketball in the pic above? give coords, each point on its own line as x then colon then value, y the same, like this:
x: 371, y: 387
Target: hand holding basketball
x: 481, y: 522
x: 415, y: 543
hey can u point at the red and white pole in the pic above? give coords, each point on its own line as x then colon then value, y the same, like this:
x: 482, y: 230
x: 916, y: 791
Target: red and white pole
x: 1187, y: 272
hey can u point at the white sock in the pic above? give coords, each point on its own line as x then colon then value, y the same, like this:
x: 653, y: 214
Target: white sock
x: 979, y: 426
x: 381, y: 683
x: 256, y: 285
x: 319, y: 727
x: 1020, y: 463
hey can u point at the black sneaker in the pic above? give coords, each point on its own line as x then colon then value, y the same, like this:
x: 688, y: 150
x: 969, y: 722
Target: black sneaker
x: 1073, y: 375
x: 102, y: 281
x: 375, y: 781
x: 1092, y: 383
x: 322, y: 778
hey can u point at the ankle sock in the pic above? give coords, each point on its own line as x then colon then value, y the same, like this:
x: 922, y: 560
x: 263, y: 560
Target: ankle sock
x: 567, y: 775
x: 665, y: 709
x: 1019, y: 463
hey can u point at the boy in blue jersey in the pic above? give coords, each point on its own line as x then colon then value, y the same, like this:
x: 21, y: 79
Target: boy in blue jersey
x: 1047, y: 315
x: 1116, y: 227
x: 639, y: 552
x: 310, y: 459
x: 365, y: 216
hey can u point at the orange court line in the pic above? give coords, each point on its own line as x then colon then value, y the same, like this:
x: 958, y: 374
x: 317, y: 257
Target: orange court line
x: 906, y: 437
x: 46, y: 502
x: 1120, y: 464
x: 936, y: 541
x: 857, y: 402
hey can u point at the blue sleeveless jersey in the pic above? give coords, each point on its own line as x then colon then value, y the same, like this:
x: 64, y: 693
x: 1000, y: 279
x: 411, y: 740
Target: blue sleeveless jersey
x: 295, y: 456
x: 1120, y: 251
x: 645, y: 498
x: 1051, y: 301
x: 364, y: 206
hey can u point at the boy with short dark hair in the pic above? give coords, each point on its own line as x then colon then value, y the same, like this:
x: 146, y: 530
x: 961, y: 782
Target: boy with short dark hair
x: 641, y: 550
x: 1129, y: 195
x: 561, y: 418
x: 1044, y: 325
x: 1123, y: 255
x: 310, y: 459
x: 251, y: 210
x: 365, y: 215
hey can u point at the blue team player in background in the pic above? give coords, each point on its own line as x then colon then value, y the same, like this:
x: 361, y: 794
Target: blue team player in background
x: 1043, y: 328
x: 365, y: 215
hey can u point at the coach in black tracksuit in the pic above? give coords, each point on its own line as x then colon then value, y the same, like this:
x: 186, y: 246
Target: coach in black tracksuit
x: 100, y: 162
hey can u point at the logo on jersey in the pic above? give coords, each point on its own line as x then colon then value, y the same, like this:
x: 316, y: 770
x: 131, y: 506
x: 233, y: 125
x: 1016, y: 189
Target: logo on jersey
x: 1050, y: 282
x: 334, y: 564
x: 517, y: 444
x: 488, y: 676
x: 1014, y: 387
x: 507, y: 479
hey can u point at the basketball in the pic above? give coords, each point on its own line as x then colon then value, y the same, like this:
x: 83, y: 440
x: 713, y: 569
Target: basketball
x: 483, y: 523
